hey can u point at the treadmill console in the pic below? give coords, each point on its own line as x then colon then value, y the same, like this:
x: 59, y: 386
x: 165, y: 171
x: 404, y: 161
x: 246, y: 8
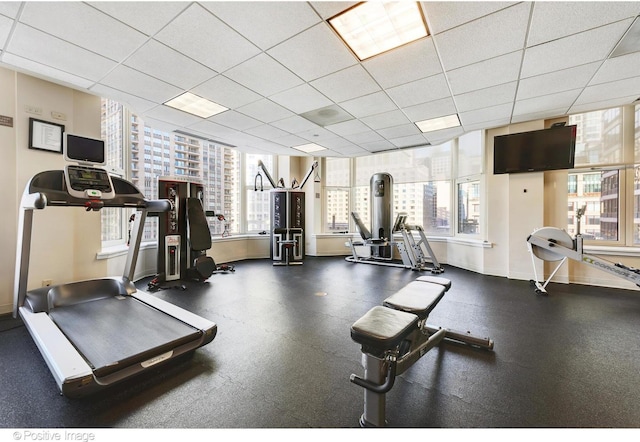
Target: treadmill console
x: 88, y: 182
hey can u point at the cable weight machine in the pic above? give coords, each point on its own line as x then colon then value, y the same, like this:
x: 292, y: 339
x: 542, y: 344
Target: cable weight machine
x: 287, y: 211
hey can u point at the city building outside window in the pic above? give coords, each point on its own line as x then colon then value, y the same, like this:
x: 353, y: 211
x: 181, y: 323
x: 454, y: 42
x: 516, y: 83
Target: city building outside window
x: 598, y: 182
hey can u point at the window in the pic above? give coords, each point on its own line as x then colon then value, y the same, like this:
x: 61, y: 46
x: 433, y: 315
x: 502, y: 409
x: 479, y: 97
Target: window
x: 258, y: 204
x: 600, y: 189
x: 469, y: 169
x: 337, y: 178
x: 113, y: 220
x: 421, y: 185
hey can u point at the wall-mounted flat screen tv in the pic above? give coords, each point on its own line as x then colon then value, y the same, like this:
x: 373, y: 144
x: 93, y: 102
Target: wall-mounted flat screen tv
x: 538, y: 150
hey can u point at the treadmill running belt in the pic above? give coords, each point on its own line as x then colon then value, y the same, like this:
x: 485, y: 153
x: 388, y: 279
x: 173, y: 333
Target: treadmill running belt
x: 114, y: 332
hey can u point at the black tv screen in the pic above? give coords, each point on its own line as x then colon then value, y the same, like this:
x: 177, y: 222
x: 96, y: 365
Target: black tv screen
x: 83, y: 149
x: 538, y: 150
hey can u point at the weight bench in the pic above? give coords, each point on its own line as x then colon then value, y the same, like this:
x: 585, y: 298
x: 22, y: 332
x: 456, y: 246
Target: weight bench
x: 395, y: 335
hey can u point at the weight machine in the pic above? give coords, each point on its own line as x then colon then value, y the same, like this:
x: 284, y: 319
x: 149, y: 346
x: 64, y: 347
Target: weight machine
x: 553, y: 244
x: 416, y: 255
x: 287, y: 246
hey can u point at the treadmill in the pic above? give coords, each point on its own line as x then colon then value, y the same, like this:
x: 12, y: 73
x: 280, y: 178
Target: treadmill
x: 95, y: 333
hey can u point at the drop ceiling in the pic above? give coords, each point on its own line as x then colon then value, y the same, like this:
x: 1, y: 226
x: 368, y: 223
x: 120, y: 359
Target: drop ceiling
x: 273, y: 64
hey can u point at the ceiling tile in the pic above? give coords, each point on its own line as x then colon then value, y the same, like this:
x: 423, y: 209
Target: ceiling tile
x: 545, y: 114
x: 386, y: 119
x: 10, y: 9
x: 445, y: 15
x: 264, y: 75
x: 418, y: 60
x: 147, y: 17
x: 52, y: 73
x: 265, y: 110
x: 486, y: 114
x: 317, y: 135
x: 226, y: 50
x: 5, y: 28
x: 364, y: 137
x: 420, y: 91
x: 301, y: 99
x: 497, y: 34
x: 487, y: 73
x: 409, y: 141
x: 83, y: 26
x: 165, y: 113
x: 487, y: 124
x: 265, y: 23
x: 346, y: 84
x: 328, y: 9
x: 295, y: 124
x: 579, y: 108
x: 291, y: 140
x: 225, y: 92
x: 235, y: 120
x: 432, y: 109
x: 214, y: 130
x: 377, y: 146
x: 399, y: 131
x: 168, y: 65
x: 267, y: 132
x: 557, y: 81
x: 31, y: 44
x: 136, y: 104
x: 136, y: 83
x: 618, y: 68
x: 371, y: 104
x: 314, y: 53
x: 550, y: 19
x: 608, y: 91
x: 491, y: 96
x: 574, y: 50
x: 537, y: 104
x: 348, y: 127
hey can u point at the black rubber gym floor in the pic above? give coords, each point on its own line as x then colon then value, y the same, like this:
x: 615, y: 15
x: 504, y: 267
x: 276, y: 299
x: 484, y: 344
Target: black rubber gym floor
x: 283, y: 356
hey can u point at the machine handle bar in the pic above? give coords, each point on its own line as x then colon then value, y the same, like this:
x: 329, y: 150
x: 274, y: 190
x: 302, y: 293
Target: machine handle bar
x: 383, y: 388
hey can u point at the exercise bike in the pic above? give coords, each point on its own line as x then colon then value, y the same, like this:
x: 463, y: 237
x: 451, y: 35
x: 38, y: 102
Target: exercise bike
x: 554, y: 244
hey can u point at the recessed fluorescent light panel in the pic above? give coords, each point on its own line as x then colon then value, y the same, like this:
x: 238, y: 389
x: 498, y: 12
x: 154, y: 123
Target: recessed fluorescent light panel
x: 373, y: 27
x: 438, y: 123
x: 308, y: 148
x: 195, y: 105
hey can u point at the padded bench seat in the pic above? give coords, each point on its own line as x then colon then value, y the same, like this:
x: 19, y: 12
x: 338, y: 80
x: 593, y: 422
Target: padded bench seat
x: 383, y: 328
x: 417, y: 297
x: 446, y: 283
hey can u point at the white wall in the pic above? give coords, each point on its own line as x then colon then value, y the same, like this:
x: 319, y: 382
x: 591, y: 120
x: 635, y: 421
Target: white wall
x: 65, y: 240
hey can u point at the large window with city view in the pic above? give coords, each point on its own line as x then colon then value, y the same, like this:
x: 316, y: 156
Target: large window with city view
x: 424, y: 180
x: 151, y: 153
x: 597, y: 183
x: 421, y: 185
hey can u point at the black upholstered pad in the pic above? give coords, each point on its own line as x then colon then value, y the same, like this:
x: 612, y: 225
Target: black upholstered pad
x: 417, y: 297
x: 383, y: 328
x: 446, y: 283
x: 199, y: 233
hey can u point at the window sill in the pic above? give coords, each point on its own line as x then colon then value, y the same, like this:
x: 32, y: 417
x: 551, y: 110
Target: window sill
x: 123, y: 249
x: 473, y: 242
x: 612, y: 250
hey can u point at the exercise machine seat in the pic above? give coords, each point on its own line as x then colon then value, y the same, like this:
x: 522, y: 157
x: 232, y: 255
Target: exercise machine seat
x: 417, y: 297
x: 446, y: 283
x: 383, y: 328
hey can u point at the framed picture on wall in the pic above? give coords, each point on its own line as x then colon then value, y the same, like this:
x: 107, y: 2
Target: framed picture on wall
x: 44, y: 135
